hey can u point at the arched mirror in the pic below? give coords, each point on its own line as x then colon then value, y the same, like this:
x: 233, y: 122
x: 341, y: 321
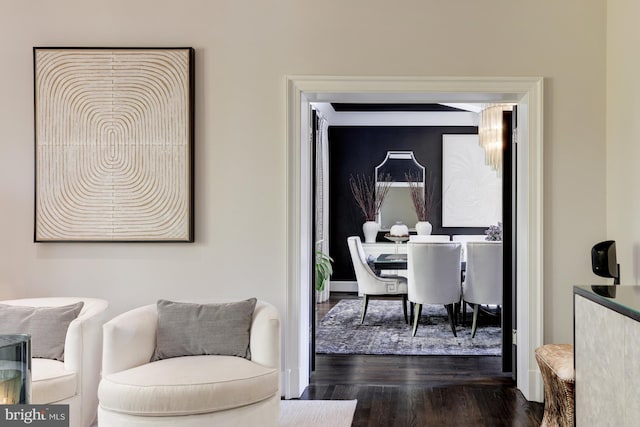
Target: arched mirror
x: 397, y: 205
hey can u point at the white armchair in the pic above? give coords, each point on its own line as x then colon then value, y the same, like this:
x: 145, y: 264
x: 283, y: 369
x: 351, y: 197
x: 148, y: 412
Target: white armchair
x: 73, y: 382
x: 188, y: 391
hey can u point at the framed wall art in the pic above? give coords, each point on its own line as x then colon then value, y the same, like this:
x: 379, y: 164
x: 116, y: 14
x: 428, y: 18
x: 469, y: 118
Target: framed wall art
x: 114, y: 139
x: 471, y: 190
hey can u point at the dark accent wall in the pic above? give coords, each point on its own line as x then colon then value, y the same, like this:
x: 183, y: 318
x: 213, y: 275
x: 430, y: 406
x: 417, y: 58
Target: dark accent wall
x: 358, y: 150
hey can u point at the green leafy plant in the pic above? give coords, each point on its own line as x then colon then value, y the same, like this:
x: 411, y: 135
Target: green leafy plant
x: 324, y: 269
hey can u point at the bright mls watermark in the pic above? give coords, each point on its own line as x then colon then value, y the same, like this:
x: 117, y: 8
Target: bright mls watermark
x: 34, y: 415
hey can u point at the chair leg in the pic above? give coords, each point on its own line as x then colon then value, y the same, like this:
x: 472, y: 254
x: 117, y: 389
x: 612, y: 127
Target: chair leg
x: 464, y: 312
x: 404, y: 308
x: 365, y: 303
x: 451, y: 319
x: 452, y: 316
x: 475, y: 320
x: 418, y: 311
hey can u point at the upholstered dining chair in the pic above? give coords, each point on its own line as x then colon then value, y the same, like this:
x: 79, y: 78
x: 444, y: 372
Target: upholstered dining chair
x: 192, y: 364
x: 67, y: 372
x: 370, y: 284
x: 465, y: 238
x: 483, y: 280
x: 433, y: 277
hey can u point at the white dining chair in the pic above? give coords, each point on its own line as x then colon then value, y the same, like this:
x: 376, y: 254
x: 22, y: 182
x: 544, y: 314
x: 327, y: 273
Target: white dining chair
x: 483, y: 281
x: 433, y: 277
x: 369, y: 284
x: 464, y: 239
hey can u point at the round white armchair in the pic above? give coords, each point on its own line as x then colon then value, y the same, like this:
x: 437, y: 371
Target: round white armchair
x: 73, y: 379
x: 194, y: 390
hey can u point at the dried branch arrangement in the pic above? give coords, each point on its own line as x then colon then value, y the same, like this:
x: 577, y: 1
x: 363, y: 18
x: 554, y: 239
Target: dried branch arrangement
x: 367, y: 196
x: 423, y: 201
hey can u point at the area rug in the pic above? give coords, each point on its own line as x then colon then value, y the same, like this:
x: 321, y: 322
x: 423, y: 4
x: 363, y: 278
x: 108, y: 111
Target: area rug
x: 317, y: 413
x: 384, y: 332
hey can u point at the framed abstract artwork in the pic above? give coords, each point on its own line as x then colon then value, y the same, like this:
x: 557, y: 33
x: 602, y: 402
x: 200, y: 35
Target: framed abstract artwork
x: 471, y: 190
x: 114, y: 139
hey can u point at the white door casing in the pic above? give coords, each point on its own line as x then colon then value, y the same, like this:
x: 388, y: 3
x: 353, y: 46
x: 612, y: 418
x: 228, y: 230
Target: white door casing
x: 526, y: 91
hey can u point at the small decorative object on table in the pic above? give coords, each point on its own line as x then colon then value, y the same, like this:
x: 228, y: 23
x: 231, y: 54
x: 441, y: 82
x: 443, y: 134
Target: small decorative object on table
x: 397, y: 239
x: 398, y: 233
x: 494, y: 232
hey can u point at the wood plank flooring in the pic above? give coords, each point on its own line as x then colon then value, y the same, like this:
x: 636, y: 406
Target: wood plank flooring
x: 422, y: 390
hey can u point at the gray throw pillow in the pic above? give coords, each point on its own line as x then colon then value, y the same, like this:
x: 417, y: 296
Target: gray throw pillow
x: 187, y: 329
x: 46, y: 325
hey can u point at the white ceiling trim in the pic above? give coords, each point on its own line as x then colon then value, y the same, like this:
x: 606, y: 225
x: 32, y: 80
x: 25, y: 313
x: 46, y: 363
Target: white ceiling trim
x: 397, y: 118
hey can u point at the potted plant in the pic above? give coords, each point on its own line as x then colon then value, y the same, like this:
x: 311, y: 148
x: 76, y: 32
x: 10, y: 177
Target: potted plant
x: 324, y: 269
x: 423, y: 200
x: 369, y: 197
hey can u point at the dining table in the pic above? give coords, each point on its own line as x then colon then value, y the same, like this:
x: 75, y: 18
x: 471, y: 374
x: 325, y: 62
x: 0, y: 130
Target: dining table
x: 390, y: 262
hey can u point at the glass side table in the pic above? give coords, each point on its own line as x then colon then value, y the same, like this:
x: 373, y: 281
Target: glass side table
x: 15, y: 369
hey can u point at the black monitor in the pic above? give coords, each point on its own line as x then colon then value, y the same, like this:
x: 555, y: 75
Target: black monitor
x: 604, y: 262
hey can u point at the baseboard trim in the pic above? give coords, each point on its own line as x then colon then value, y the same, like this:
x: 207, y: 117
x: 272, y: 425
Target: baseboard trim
x: 344, y: 286
x: 536, y: 387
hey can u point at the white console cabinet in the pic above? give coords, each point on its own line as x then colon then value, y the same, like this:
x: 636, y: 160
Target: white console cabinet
x: 607, y: 355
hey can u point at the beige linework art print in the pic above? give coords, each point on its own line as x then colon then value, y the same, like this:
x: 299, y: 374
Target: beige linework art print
x: 113, y: 144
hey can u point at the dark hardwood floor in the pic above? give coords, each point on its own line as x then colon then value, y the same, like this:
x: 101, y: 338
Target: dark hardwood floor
x: 421, y: 390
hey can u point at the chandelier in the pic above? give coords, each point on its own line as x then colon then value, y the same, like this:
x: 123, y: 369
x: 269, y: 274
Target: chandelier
x: 490, y: 134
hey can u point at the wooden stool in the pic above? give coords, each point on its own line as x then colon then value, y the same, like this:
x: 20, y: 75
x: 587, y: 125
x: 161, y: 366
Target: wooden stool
x: 556, y: 365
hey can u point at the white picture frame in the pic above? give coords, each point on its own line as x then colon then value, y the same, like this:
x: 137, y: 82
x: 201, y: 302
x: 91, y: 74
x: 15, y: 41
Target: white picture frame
x: 471, y: 190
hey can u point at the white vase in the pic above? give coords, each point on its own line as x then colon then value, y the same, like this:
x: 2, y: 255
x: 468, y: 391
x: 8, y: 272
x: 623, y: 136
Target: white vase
x: 370, y: 230
x: 423, y: 228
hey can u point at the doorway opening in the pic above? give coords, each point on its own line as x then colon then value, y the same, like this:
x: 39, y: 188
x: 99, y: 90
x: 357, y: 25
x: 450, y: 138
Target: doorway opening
x: 526, y: 92
x: 439, y: 145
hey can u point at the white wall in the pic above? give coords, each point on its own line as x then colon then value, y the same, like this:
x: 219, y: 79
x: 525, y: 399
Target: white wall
x: 243, y: 52
x: 623, y: 135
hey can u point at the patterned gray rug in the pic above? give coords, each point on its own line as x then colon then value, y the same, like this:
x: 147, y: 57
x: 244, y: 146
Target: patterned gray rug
x: 384, y: 332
